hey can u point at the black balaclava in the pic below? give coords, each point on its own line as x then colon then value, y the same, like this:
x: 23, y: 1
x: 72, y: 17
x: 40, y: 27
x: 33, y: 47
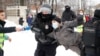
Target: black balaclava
x: 45, y: 16
x: 67, y: 8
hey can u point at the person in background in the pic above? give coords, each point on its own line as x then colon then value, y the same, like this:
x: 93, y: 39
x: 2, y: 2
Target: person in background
x: 87, y: 17
x: 21, y: 21
x: 4, y: 30
x: 81, y: 21
x: 42, y: 26
x: 29, y: 19
x: 68, y: 14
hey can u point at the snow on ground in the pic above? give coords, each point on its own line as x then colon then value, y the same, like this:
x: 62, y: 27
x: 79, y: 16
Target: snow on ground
x: 24, y: 44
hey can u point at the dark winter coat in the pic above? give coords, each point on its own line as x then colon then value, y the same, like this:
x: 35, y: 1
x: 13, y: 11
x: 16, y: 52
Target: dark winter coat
x: 66, y: 36
x: 5, y: 29
x: 42, y: 27
x: 97, y: 27
x: 96, y: 18
x: 29, y: 21
x: 68, y: 16
x: 91, y: 25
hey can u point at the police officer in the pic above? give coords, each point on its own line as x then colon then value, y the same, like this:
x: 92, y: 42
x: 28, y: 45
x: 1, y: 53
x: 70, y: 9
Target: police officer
x: 42, y: 26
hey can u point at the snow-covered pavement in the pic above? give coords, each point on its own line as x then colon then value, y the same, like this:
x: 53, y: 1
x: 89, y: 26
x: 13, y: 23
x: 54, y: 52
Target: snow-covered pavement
x: 24, y: 44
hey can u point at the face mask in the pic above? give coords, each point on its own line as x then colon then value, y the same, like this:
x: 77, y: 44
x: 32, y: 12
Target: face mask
x: 55, y: 25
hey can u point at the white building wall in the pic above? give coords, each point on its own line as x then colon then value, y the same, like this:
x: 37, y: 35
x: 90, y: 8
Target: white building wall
x: 14, y: 16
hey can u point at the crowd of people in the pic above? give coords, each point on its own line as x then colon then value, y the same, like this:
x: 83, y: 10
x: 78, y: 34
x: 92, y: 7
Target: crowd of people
x: 51, y: 31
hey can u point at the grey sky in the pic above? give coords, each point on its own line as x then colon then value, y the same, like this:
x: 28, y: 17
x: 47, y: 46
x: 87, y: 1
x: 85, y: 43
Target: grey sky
x: 96, y: 1
x: 93, y: 2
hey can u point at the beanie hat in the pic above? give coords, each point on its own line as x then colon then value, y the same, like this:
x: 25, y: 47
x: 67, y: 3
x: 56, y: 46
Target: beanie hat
x: 45, y: 7
x: 57, y: 19
x: 97, y: 13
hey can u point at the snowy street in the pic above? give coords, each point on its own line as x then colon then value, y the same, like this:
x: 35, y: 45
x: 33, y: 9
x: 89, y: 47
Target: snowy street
x: 22, y: 44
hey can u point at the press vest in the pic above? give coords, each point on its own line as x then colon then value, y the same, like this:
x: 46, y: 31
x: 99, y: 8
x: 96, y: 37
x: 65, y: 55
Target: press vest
x: 79, y: 29
x: 1, y: 40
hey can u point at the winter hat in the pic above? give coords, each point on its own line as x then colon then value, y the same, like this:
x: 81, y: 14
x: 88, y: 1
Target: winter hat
x: 45, y: 7
x: 57, y: 19
x: 97, y: 13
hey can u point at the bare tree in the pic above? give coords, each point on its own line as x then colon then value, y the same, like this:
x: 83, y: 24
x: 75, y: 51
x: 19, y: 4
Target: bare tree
x: 56, y: 6
x: 41, y: 2
x: 49, y: 1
